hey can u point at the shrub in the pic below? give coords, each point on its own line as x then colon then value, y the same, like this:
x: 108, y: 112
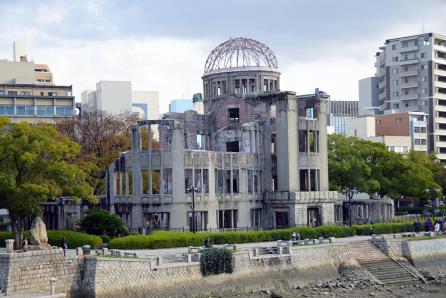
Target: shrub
x: 216, y: 261
x: 74, y: 239
x: 384, y: 228
x: 102, y: 223
x: 105, y: 239
x: 162, y: 239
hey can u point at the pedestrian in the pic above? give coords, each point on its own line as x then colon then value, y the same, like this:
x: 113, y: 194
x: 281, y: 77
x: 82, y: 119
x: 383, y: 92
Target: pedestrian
x: 417, y: 225
x: 64, y: 245
x: 294, y: 236
x: 437, y: 227
x: 24, y: 243
x: 428, y: 225
x: 207, y: 243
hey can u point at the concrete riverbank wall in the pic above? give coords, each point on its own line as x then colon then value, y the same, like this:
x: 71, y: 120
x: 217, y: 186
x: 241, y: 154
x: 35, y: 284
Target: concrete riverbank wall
x: 428, y: 255
x: 105, y: 276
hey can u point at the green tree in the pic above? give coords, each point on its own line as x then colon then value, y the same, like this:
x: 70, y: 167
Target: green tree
x: 102, y: 223
x: 371, y: 168
x: 37, y: 163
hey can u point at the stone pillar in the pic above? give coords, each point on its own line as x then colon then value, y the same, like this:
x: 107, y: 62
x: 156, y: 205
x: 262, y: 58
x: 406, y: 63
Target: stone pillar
x: 137, y: 213
x: 178, y: 217
x: 111, y: 188
x: 265, y: 156
x: 9, y: 245
x: 286, y: 128
x: 323, y: 146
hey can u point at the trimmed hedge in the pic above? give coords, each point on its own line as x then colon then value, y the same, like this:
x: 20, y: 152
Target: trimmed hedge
x: 216, y: 261
x: 74, y: 239
x: 162, y: 239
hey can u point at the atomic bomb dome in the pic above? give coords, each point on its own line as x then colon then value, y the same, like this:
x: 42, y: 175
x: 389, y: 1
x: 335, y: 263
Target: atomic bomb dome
x: 238, y: 67
x: 240, y: 53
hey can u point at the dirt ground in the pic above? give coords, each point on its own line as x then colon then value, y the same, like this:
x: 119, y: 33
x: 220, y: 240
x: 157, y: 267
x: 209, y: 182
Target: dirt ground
x: 431, y: 290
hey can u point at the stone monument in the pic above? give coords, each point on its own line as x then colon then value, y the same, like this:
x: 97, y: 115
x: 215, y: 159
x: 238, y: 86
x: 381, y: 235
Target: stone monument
x: 38, y: 237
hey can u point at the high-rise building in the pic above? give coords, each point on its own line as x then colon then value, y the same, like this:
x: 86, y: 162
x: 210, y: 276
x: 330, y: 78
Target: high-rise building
x: 412, y: 77
x: 180, y: 105
x: 339, y: 112
x: 28, y: 93
x: 368, y: 96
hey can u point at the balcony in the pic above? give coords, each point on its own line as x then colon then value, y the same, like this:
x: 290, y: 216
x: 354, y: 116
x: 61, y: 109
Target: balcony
x: 410, y: 73
x: 440, y: 48
x: 409, y: 61
x: 409, y: 49
x: 440, y: 84
x: 409, y: 97
x: 409, y: 85
x: 440, y: 72
x: 440, y: 120
x: 440, y: 108
x: 440, y: 95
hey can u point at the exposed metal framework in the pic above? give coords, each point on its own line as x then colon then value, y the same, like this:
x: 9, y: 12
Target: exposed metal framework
x: 240, y: 52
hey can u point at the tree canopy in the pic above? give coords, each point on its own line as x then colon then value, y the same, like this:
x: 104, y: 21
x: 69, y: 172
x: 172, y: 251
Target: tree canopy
x: 371, y: 168
x: 37, y: 163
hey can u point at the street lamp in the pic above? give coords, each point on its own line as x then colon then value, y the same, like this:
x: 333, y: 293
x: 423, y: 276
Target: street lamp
x: 193, y: 189
x: 349, y: 192
x: 432, y: 192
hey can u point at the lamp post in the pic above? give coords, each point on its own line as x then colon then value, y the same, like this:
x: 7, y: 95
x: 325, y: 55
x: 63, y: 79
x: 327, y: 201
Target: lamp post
x: 193, y: 189
x: 432, y: 192
x: 349, y: 192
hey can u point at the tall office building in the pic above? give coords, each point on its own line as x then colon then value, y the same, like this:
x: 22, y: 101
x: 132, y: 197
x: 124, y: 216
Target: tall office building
x: 28, y: 93
x: 368, y: 96
x: 339, y: 111
x: 412, y: 77
x: 180, y: 105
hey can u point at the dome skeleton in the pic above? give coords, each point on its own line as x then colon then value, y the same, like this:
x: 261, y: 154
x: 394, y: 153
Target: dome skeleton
x: 240, y: 52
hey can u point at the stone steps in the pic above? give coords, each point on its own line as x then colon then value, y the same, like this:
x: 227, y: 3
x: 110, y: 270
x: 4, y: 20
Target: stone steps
x: 381, y: 266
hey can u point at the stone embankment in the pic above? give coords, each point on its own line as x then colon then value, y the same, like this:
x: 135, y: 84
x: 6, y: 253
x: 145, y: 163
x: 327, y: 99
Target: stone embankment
x: 338, y: 267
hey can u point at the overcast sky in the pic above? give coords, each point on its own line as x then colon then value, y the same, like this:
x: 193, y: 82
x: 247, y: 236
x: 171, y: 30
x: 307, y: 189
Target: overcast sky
x: 163, y: 45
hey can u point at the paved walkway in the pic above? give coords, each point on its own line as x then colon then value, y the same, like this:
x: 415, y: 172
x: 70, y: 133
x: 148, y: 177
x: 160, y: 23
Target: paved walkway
x: 242, y: 246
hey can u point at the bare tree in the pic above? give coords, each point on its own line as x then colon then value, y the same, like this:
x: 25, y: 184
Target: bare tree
x: 102, y: 137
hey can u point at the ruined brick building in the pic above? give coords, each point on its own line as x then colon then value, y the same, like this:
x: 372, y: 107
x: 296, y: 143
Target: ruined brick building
x: 257, y: 156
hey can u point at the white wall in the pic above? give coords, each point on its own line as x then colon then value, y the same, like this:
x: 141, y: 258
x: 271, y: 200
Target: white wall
x: 151, y: 98
x: 362, y: 127
x: 114, y: 96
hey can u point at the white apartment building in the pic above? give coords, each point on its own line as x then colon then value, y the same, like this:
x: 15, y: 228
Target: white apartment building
x: 117, y: 97
x: 411, y: 72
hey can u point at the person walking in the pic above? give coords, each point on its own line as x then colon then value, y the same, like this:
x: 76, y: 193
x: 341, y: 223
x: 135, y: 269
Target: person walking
x: 64, y: 245
x: 437, y: 227
x: 294, y: 236
x: 428, y: 225
x: 417, y: 225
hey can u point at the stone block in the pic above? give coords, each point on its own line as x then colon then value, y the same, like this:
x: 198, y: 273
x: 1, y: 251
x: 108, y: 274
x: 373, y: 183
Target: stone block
x: 9, y: 245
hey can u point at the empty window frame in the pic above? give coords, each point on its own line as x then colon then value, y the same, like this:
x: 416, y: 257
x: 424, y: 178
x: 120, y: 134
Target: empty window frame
x: 234, y: 115
x: 232, y: 146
